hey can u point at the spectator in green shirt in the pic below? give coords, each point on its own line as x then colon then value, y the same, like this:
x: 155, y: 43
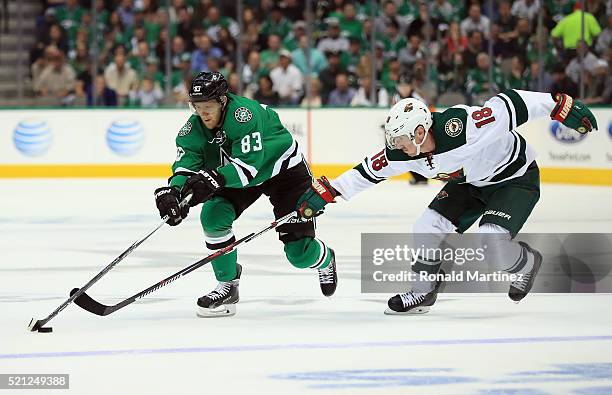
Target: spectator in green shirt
x: 518, y: 77
x: 215, y: 20
x: 549, y: 55
x: 349, y: 24
x: 69, y: 16
x: 569, y: 28
x: 291, y: 41
x: 393, y: 40
x: 153, y: 72
x: 276, y: 23
x: 350, y: 59
x: 478, y: 79
x: 102, y: 14
x: 269, y: 57
x: 153, y: 26
x: 120, y: 33
x: 138, y: 59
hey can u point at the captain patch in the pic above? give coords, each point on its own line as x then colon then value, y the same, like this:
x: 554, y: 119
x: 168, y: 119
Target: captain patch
x: 185, y: 130
x: 243, y: 114
x: 453, y: 127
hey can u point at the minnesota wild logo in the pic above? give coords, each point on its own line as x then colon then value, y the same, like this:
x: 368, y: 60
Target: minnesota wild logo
x: 243, y: 114
x: 453, y: 127
x: 455, y: 176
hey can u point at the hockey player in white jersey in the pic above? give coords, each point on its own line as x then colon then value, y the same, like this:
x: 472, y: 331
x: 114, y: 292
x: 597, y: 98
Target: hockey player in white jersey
x: 490, y: 171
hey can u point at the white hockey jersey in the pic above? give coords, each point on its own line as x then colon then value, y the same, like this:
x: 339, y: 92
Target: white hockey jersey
x: 475, y: 145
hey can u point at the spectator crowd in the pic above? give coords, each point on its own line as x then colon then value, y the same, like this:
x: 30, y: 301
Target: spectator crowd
x: 438, y: 51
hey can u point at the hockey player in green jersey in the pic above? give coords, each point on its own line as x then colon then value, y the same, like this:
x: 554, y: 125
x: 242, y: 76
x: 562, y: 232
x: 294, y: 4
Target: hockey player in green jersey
x: 490, y: 171
x: 229, y: 153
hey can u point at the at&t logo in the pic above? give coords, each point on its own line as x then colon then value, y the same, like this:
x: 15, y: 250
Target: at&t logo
x: 125, y: 137
x: 32, y: 137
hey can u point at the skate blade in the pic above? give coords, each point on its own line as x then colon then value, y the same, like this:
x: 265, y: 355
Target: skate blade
x: 516, y: 298
x: 226, y: 310
x: 415, y: 311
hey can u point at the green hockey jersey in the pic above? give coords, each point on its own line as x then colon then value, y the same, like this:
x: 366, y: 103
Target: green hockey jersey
x: 250, y: 147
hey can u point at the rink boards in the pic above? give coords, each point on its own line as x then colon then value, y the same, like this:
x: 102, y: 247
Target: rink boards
x: 140, y: 143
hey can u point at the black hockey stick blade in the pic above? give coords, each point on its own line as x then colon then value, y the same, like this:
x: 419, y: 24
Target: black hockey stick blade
x: 34, y: 325
x: 37, y: 326
x: 86, y: 302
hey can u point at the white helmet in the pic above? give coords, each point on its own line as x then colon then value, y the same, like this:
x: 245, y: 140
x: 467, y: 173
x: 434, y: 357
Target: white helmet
x: 404, y: 118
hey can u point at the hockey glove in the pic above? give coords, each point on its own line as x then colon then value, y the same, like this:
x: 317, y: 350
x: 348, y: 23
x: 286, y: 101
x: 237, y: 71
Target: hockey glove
x: 573, y: 114
x: 315, y: 198
x: 202, y: 185
x: 167, y: 201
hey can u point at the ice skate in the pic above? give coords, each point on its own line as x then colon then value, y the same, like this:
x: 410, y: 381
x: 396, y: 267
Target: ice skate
x: 520, y: 288
x: 221, y: 302
x: 328, y: 278
x: 413, y: 302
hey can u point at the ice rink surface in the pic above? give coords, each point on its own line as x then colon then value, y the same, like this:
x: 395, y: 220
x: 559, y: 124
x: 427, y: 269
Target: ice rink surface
x: 286, y: 338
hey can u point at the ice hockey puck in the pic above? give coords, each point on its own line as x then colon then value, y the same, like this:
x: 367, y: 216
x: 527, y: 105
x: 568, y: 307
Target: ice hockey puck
x: 47, y: 329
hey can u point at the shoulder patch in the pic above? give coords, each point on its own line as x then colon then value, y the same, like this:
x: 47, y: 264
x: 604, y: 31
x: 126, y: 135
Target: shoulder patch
x: 243, y: 114
x: 185, y: 130
x: 453, y: 127
x: 449, y: 129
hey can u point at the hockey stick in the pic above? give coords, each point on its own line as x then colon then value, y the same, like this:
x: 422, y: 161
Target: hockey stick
x: 88, y: 303
x: 37, y: 325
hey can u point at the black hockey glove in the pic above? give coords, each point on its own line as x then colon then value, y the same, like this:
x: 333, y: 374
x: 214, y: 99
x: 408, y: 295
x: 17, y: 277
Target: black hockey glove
x: 202, y: 185
x: 167, y: 200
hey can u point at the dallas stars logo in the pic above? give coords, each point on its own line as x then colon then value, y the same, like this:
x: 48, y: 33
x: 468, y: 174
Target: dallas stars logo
x: 243, y: 114
x: 185, y: 130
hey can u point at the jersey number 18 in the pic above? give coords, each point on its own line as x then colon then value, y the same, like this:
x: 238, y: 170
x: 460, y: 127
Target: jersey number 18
x: 483, y: 117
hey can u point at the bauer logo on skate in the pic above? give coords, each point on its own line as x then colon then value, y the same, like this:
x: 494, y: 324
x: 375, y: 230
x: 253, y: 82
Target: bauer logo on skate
x: 32, y: 137
x: 565, y: 134
x: 125, y: 137
x: 498, y: 214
